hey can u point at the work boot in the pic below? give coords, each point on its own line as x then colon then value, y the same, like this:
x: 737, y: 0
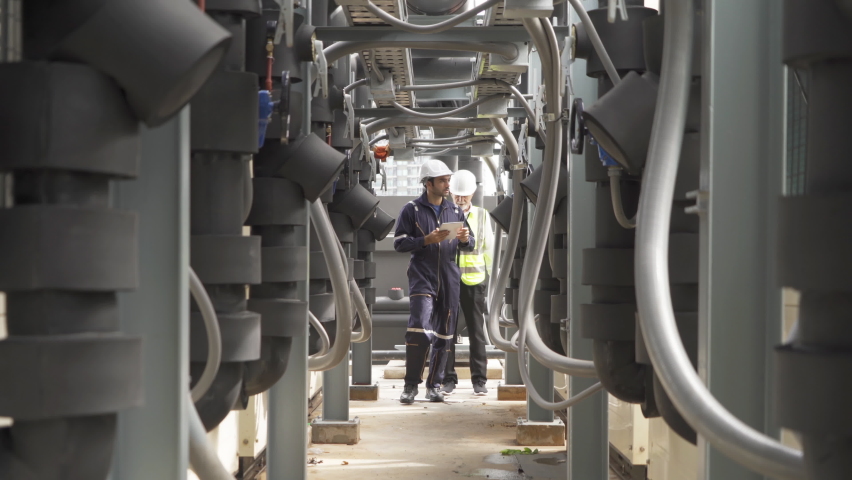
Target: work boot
x: 479, y: 388
x: 408, y: 394
x: 434, y: 395
x: 448, y: 387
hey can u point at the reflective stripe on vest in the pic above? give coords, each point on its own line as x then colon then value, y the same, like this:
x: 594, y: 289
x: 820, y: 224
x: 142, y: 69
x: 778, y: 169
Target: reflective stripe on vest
x: 472, y: 264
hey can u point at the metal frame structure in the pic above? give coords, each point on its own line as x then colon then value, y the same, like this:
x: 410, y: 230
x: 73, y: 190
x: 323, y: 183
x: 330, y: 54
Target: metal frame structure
x: 742, y: 177
x: 153, y: 441
x: 287, y: 446
x: 588, y: 444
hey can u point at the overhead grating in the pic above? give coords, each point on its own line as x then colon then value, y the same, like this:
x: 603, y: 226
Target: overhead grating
x: 485, y: 71
x: 494, y: 17
x: 397, y: 60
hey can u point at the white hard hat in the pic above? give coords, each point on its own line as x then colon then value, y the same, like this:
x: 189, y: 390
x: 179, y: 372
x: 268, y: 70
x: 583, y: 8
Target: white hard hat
x: 463, y: 183
x: 433, y: 168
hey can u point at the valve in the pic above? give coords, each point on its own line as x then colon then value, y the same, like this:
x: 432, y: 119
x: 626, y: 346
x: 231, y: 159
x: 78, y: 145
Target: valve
x: 265, y: 107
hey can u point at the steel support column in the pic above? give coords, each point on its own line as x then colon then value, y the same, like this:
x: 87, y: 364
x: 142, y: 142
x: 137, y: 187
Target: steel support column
x: 153, y: 441
x: 588, y: 439
x: 287, y: 421
x: 512, y: 373
x: 742, y: 169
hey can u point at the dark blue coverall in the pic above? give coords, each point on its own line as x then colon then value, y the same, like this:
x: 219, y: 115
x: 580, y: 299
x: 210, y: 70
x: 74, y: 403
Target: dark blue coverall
x: 433, y: 283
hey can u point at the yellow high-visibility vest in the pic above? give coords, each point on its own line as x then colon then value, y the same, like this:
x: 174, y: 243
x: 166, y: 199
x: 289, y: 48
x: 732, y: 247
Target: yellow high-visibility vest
x: 475, y: 266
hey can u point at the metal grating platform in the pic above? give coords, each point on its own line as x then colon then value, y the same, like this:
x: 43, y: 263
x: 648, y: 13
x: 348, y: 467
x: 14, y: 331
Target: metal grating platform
x: 397, y: 60
x: 494, y: 17
x: 485, y: 71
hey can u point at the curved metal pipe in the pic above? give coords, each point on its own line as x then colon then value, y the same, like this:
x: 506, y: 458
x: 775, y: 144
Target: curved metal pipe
x: 473, y: 104
x: 262, y: 374
x: 544, y: 210
x: 448, y: 139
x: 519, y: 97
x: 357, y: 304
x: 518, y: 205
x: 214, y: 337
x: 511, y: 142
x: 433, y: 28
x: 596, y: 41
x: 58, y: 449
x: 340, y: 286
x: 453, y: 145
x: 366, y: 331
x: 378, y: 139
x: 203, y: 459
x: 615, y: 194
x: 356, y: 84
x: 457, y: 123
x: 326, y: 342
x: 494, y: 310
x: 223, y: 394
x: 533, y: 393
x: 509, y: 51
x: 698, y: 406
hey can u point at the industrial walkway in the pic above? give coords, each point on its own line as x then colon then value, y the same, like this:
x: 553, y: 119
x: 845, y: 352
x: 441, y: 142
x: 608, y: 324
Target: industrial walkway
x: 458, y: 439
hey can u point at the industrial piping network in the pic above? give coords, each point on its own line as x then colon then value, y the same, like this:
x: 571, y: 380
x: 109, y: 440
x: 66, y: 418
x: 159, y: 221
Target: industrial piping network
x: 257, y: 163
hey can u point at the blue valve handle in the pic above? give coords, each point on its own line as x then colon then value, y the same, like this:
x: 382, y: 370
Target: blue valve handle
x: 577, y: 127
x: 265, y: 107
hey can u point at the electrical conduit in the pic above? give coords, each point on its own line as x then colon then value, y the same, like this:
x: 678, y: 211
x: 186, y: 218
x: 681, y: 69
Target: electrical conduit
x: 544, y: 37
x: 698, y: 406
x: 340, y: 286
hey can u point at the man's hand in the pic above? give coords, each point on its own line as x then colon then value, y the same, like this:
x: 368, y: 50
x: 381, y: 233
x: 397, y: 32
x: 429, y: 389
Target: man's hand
x: 435, y: 237
x: 463, y: 235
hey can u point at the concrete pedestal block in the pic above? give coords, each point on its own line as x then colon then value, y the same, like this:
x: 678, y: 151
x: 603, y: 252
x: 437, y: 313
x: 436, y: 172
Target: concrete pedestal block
x: 512, y: 393
x: 547, y: 434
x: 364, y: 392
x: 330, y: 431
x: 395, y: 370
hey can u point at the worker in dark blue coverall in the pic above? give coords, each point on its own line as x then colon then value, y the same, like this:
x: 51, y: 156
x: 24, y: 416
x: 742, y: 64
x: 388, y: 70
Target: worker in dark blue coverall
x: 433, y: 278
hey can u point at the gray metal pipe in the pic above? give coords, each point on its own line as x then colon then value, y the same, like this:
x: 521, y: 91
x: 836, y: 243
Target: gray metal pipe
x: 448, y: 145
x: 450, y: 113
x: 202, y: 457
x: 340, y: 285
x: 502, y: 280
x: 544, y: 215
x: 455, y: 123
x: 698, y: 406
x: 508, y: 51
x: 325, y: 342
x: 504, y: 131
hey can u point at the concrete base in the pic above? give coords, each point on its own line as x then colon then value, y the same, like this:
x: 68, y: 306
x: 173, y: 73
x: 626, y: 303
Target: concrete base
x: 327, y: 431
x: 396, y: 370
x: 364, y: 392
x: 512, y: 393
x: 548, y: 434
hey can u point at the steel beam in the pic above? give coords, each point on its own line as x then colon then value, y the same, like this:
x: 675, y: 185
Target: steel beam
x: 516, y: 112
x: 287, y: 420
x: 153, y: 440
x: 743, y: 171
x: 588, y: 428
x: 511, y: 368
x: 456, y: 34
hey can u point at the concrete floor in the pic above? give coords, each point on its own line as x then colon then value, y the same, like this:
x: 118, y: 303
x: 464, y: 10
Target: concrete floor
x: 460, y: 438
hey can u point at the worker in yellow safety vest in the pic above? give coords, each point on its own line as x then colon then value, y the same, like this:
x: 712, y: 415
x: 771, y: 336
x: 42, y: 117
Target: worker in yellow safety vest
x: 475, y: 269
